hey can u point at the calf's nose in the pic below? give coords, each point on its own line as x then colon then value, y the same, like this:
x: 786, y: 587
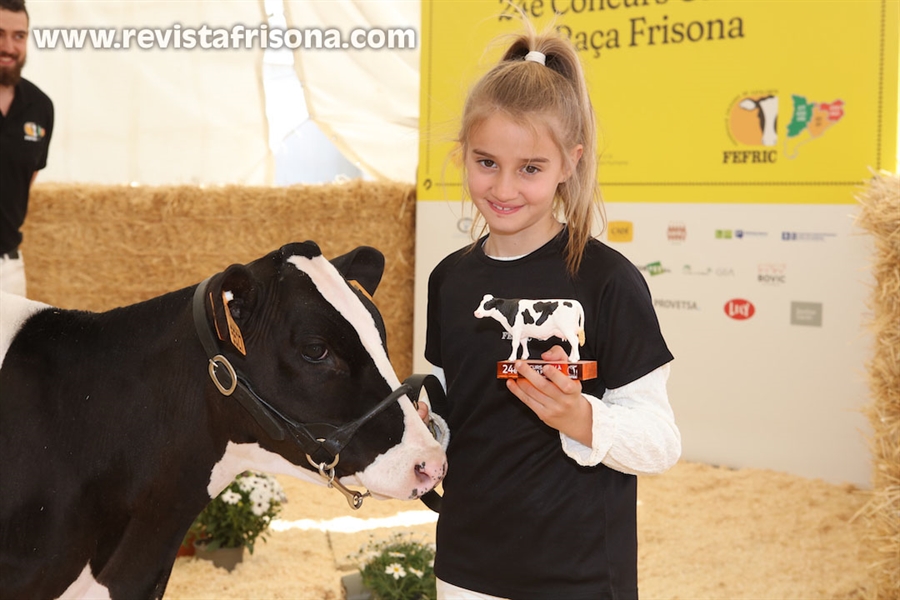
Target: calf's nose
x: 429, y: 474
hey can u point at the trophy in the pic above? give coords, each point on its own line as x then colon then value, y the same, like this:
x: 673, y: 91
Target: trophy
x: 541, y: 320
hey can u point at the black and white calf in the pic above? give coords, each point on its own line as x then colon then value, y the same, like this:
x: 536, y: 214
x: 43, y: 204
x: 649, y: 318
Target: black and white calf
x: 117, y: 428
x: 538, y: 319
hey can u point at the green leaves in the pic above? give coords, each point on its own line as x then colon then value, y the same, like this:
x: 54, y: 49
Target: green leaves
x: 241, y: 514
x: 399, y: 568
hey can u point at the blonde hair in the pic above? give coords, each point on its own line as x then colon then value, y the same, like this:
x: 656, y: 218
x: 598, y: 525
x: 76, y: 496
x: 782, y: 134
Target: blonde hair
x: 555, y: 95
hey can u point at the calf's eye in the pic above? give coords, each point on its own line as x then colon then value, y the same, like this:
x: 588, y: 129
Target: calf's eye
x: 314, y: 352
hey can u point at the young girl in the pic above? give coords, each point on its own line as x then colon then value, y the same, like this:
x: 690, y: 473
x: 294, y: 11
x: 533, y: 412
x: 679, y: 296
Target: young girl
x: 540, y: 497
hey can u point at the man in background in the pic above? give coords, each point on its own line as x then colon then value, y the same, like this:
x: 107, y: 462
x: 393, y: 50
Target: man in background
x: 26, y: 122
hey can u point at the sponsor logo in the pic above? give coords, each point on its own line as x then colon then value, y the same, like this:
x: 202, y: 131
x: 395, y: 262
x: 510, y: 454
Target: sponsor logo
x: 806, y: 313
x: 805, y: 236
x: 654, y: 268
x: 676, y: 232
x: 620, y: 231
x: 772, y: 273
x: 689, y: 270
x: 739, y: 234
x: 752, y: 121
x: 675, y: 304
x: 809, y: 121
x: 739, y: 309
x: 718, y: 271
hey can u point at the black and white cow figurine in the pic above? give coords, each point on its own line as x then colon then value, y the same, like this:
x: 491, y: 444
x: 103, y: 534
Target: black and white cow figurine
x: 538, y: 319
x: 116, y: 430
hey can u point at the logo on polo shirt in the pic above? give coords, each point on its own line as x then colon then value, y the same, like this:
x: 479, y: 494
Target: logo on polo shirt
x: 34, y: 132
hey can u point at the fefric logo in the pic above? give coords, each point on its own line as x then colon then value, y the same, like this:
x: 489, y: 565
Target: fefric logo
x: 739, y: 309
x: 620, y: 231
x: 752, y: 121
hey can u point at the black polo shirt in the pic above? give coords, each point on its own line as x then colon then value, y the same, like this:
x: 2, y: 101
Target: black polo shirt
x: 24, y: 139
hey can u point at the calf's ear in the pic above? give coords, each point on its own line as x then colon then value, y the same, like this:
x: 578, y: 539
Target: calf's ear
x: 232, y: 295
x: 365, y: 265
x: 238, y: 283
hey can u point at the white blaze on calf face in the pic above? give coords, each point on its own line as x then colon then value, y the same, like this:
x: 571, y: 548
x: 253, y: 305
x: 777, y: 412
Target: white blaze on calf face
x: 417, y: 463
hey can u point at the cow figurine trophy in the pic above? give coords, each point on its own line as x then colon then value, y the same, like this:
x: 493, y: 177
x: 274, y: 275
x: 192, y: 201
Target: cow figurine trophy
x: 541, y: 320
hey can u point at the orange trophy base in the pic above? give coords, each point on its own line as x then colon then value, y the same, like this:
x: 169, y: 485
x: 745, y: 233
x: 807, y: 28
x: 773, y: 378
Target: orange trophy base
x: 581, y: 370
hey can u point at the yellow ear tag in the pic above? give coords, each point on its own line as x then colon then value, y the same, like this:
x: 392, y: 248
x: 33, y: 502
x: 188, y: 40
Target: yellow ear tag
x: 234, y: 332
x: 355, y: 284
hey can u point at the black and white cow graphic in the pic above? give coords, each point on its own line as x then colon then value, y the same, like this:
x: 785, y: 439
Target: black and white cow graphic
x: 117, y: 428
x: 767, y: 112
x: 538, y: 319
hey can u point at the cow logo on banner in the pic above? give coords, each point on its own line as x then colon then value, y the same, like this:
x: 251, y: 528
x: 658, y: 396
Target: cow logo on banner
x: 753, y: 124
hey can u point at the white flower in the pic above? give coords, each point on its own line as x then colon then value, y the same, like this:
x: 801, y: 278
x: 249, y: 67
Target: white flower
x: 417, y: 573
x: 396, y: 570
x: 396, y: 555
x: 230, y: 497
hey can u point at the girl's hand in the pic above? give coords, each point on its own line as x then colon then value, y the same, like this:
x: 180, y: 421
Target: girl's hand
x: 553, y: 397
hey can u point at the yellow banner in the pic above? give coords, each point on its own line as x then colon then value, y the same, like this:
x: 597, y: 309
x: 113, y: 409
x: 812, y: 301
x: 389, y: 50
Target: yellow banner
x: 726, y: 101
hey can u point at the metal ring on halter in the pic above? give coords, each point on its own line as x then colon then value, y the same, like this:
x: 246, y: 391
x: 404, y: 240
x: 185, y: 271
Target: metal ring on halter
x: 354, y: 498
x: 221, y: 360
x: 321, y: 466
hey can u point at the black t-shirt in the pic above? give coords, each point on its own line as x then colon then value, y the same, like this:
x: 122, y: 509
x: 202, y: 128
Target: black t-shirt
x: 24, y: 139
x: 519, y: 518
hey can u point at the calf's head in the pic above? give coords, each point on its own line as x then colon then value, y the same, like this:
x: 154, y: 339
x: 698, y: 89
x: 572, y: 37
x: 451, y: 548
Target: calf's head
x: 306, y: 345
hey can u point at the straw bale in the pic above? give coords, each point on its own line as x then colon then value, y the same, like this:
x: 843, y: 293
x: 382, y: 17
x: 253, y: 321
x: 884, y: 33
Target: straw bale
x: 93, y: 247
x: 880, y: 216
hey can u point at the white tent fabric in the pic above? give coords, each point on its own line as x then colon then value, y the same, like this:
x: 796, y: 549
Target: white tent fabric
x: 152, y: 116
x: 365, y: 100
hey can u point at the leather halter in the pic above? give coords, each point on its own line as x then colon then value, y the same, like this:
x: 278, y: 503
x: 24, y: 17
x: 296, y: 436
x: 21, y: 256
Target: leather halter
x: 316, y: 440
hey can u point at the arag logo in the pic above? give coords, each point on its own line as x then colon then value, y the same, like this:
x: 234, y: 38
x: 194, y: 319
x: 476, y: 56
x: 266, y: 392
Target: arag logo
x: 620, y: 231
x: 739, y: 309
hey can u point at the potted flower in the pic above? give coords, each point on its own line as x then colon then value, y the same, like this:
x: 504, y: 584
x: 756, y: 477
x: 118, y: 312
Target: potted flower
x: 400, y: 568
x: 236, y: 518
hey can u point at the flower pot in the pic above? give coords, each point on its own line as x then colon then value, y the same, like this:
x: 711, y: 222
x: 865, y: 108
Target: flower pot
x: 354, y: 589
x: 225, y: 558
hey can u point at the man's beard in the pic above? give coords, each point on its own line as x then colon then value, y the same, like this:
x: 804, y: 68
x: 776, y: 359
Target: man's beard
x: 10, y: 76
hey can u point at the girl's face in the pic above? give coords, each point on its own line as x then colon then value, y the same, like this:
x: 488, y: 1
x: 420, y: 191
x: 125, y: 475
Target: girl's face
x: 512, y: 174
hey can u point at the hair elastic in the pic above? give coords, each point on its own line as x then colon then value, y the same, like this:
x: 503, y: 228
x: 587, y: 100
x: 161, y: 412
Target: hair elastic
x: 535, y: 56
